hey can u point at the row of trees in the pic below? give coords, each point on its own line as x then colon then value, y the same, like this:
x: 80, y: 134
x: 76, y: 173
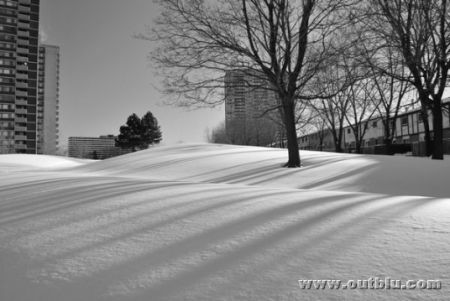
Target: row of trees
x: 257, y: 131
x: 369, y: 93
x: 333, y: 55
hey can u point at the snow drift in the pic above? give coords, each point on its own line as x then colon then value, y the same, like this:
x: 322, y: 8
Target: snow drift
x: 213, y: 222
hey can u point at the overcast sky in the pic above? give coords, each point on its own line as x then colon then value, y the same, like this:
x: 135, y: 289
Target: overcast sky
x: 105, y: 74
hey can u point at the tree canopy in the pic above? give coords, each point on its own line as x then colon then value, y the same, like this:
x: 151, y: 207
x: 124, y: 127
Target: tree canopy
x: 139, y: 133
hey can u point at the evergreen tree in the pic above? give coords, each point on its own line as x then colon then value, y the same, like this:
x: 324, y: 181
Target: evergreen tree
x: 139, y: 133
x: 151, y: 132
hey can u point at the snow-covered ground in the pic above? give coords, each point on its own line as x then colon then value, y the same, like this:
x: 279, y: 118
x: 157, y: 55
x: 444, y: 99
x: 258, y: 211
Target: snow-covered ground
x: 216, y: 222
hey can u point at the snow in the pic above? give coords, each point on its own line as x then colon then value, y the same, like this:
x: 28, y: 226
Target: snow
x: 26, y: 161
x: 220, y: 222
x: 261, y: 166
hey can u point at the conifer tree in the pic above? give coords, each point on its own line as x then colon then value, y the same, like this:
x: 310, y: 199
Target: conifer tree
x: 139, y: 133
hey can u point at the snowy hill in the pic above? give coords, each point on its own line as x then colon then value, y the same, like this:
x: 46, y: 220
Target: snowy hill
x: 261, y: 166
x: 216, y: 222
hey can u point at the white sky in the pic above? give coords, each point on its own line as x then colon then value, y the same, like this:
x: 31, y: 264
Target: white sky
x: 105, y: 74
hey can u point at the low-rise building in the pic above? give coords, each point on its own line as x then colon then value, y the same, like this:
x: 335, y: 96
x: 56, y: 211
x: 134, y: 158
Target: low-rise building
x: 102, y: 147
x: 409, y: 130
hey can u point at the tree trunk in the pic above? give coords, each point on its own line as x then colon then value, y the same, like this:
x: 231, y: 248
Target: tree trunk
x: 426, y: 126
x: 357, y: 138
x: 438, y: 148
x: 358, y: 148
x: 337, y: 139
x: 388, y: 146
x: 339, y: 148
x: 321, y: 135
x: 291, y: 135
x: 387, y: 137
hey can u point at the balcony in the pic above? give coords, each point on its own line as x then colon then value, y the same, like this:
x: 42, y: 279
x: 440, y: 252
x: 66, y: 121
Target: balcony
x: 21, y: 93
x: 22, y: 59
x: 19, y: 128
x: 21, y: 102
x: 21, y: 42
x: 22, y: 33
x: 21, y: 76
x: 23, y: 25
x: 24, y: 9
x: 20, y: 137
x: 22, y: 50
x: 20, y: 146
x: 22, y: 67
x: 20, y: 120
x: 21, y: 111
x: 24, y: 17
x: 21, y: 85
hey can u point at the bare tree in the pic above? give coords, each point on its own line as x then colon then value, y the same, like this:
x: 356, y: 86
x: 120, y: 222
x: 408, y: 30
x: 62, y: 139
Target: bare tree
x: 256, y: 131
x: 263, y: 132
x: 362, y: 108
x: 390, y: 94
x: 419, y: 30
x: 334, y: 109
x: 218, y: 134
x: 319, y: 125
x: 289, y: 42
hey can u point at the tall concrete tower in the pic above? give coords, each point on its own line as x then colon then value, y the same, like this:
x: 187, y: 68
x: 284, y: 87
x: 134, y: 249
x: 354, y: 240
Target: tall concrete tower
x: 48, y: 100
x: 250, y: 108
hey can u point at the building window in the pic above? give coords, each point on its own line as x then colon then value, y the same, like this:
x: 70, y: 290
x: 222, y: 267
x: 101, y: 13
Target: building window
x: 374, y: 124
x: 405, y: 121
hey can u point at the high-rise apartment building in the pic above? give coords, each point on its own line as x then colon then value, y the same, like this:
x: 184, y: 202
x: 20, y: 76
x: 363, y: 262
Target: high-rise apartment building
x: 247, y: 95
x: 19, y: 31
x: 48, y: 100
x: 250, y: 108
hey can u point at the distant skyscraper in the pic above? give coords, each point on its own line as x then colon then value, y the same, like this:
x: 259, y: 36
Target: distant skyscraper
x: 250, y: 107
x: 19, y: 31
x: 48, y: 100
